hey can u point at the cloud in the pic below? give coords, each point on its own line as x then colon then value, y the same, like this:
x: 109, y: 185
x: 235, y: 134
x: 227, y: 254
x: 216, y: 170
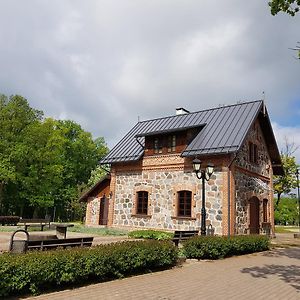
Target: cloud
x: 104, y: 63
x: 290, y: 136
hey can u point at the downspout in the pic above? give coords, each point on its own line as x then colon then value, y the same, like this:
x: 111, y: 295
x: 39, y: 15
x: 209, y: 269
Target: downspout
x: 229, y: 192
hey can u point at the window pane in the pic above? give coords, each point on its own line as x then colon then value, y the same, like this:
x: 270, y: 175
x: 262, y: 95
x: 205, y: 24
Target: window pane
x: 184, y: 203
x: 142, y: 202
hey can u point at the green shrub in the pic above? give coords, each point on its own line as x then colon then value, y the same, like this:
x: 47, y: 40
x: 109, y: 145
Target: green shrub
x: 151, y: 234
x: 37, y: 271
x: 213, y: 247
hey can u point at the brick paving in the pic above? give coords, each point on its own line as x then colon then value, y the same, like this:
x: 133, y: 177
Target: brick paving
x: 270, y: 275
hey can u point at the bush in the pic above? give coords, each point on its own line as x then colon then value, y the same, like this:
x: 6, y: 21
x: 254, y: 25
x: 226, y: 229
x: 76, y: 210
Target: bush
x: 9, y: 220
x: 205, y: 247
x: 151, y: 234
x: 36, y: 271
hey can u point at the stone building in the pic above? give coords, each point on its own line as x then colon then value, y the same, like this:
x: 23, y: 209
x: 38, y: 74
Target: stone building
x: 152, y: 183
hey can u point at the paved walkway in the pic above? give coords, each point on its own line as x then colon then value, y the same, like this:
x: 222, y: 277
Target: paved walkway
x: 270, y: 275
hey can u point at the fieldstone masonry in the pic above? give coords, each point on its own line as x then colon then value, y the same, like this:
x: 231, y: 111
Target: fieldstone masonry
x: 162, y: 187
x: 256, y: 182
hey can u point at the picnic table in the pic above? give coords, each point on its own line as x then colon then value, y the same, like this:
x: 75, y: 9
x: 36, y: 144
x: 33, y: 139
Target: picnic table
x: 61, y: 229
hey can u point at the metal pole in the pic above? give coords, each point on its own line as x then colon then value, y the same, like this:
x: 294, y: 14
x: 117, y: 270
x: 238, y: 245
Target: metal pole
x: 297, y: 175
x: 203, y: 209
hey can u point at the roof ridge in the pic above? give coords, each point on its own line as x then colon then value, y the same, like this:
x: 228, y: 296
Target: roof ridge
x: 199, y: 111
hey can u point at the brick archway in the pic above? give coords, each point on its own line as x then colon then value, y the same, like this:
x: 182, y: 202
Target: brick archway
x: 254, y: 215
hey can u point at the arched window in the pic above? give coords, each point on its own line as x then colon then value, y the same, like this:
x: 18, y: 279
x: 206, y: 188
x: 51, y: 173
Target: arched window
x: 142, y: 203
x: 184, y: 204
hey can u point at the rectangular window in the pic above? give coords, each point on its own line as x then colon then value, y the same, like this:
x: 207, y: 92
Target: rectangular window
x: 172, y: 143
x: 158, y: 145
x: 265, y: 210
x: 142, y: 203
x: 253, y: 153
x: 184, y: 204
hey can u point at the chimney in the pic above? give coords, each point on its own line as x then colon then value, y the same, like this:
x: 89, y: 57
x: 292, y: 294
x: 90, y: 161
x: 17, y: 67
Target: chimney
x: 181, y: 111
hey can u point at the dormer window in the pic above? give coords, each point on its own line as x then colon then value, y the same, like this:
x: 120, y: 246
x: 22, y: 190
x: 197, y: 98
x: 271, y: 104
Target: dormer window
x: 158, y: 145
x: 172, y: 143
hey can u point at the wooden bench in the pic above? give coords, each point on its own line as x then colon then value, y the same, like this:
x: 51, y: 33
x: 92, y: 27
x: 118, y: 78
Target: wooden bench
x: 35, y: 223
x: 182, y: 235
x: 57, y: 243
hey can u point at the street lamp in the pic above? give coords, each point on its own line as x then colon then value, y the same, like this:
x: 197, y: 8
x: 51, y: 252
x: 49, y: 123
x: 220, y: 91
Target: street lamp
x: 203, y: 174
x: 297, y: 176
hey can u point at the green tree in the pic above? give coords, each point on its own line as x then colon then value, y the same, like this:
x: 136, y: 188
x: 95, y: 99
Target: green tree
x: 286, y: 213
x: 80, y: 156
x: 15, y: 116
x: 285, y: 183
x: 290, y: 7
x: 44, y: 163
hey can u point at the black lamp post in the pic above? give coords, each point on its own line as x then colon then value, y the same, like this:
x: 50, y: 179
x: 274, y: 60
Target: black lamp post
x: 203, y: 174
x: 297, y: 176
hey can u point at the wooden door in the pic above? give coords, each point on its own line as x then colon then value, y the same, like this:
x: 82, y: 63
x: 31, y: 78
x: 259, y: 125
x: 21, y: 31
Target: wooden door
x: 254, y: 215
x: 103, y: 211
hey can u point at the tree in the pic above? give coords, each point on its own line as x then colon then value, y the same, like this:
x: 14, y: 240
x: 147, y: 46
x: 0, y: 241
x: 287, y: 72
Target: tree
x: 297, y: 48
x: 15, y: 117
x: 290, y: 7
x: 44, y: 163
x: 286, y: 212
x: 285, y: 183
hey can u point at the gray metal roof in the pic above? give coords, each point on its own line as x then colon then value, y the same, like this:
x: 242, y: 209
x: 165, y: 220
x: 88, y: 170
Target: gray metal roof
x: 223, y: 130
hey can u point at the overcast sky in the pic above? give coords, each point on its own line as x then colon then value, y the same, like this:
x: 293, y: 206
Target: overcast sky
x: 104, y: 64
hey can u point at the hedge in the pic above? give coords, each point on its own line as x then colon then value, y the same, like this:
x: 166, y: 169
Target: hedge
x: 36, y: 271
x: 213, y: 247
x: 151, y: 234
x: 9, y: 220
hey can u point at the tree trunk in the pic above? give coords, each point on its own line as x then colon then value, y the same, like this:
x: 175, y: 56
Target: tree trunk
x: 278, y: 200
x: 1, y: 196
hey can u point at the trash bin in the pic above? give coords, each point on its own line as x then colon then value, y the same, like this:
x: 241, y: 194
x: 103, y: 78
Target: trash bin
x: 18, y: 246
x: 210, y: 230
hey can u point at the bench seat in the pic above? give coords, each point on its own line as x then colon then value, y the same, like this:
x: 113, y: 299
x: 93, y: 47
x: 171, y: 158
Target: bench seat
x: 182, y: 235
x: 35, y: 223
x: 56, y: 243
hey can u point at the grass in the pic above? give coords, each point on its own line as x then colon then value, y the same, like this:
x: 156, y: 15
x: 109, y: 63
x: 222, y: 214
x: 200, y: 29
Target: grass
x: 99, y: 231
x: 285, y: 229
x: 77, y: 228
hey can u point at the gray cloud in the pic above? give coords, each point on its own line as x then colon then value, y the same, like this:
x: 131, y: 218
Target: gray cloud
x: 104, y: 63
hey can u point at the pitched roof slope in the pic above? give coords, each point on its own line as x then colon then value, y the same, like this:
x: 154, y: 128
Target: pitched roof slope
x: 223, y: 130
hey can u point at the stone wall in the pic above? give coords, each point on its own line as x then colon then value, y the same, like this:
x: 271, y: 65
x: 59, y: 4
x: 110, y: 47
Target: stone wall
x: 162, y: 187
x: 92, y: 211
x: 252, y: 179
x: 246, y: 187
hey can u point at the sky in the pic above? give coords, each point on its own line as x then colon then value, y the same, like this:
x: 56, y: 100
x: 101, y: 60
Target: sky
x: 108, y: 64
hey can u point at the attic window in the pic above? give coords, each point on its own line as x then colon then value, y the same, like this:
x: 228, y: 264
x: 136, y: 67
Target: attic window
x: 158, y: 146
x: 172, y: 143
x: 253, y: 153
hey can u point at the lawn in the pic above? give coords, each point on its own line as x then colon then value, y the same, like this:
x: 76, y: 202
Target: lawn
x: 77, y: 228
x: 286, y: 229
